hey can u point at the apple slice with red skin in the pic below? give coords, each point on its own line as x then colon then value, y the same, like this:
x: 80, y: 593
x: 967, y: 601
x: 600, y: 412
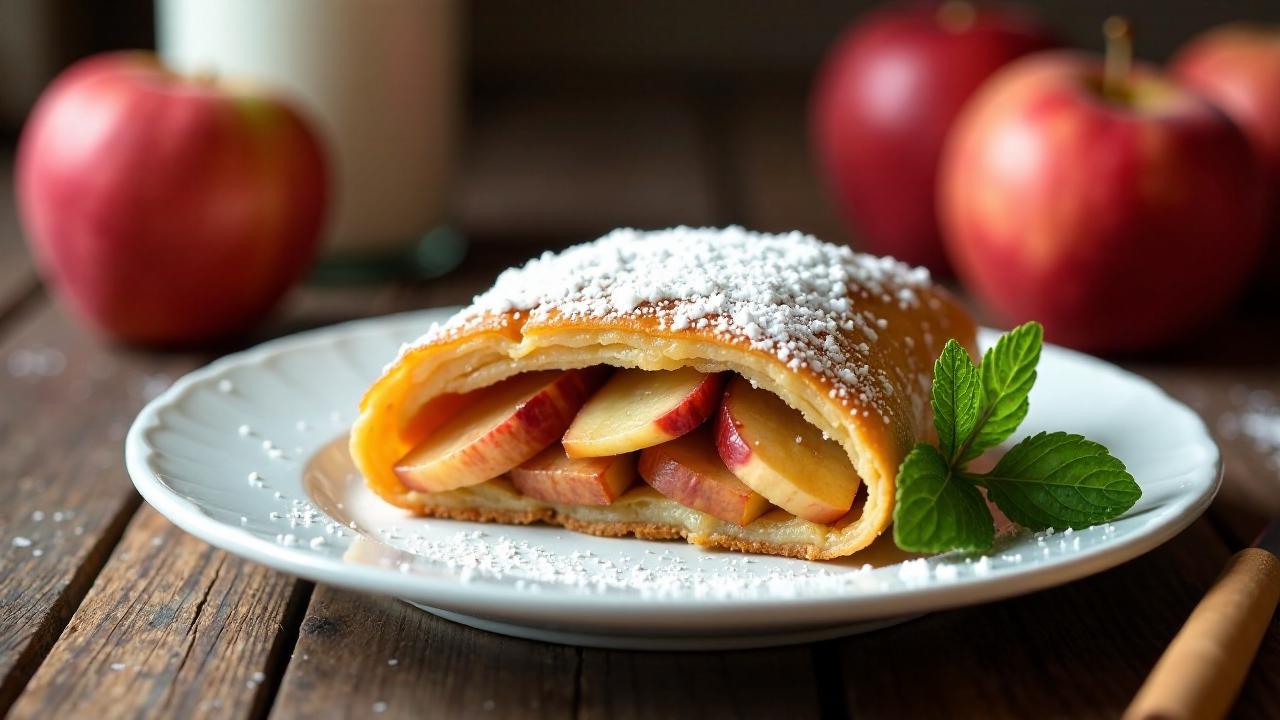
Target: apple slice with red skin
x: 501, y: 426
x: 689, y: 471
x: 637, y: 409
x: 773, y: 450
x: 553, y: 476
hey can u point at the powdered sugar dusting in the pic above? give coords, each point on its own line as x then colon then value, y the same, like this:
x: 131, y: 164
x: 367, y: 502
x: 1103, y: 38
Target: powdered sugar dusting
x: 807, y: 302
x: 525, y: 563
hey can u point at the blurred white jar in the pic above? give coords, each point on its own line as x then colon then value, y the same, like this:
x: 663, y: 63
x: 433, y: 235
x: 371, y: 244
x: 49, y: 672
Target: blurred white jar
x: 379, y: 79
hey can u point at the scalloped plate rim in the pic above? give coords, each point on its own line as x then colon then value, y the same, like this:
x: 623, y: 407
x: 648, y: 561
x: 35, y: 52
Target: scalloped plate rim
x: 633, y: 611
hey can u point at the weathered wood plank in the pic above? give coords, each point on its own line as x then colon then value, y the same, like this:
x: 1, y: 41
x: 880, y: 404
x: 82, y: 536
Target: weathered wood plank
x: 1077, y: 651
x: 359, y: 655
x: 64, y: 494
x: 65, y: 497
x: 172, y: 628
x: 776, y: 682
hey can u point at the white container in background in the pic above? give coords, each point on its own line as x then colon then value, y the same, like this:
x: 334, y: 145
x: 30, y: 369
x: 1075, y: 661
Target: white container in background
x: 379, y: 78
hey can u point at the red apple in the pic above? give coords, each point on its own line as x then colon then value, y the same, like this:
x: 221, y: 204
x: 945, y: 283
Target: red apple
x: 640, y: 408
x: 1238, y: 68
x: 553, y: 476
x: 166, y: 209
x: 689, y: 471
x: 882, y: 105
x: 771, y: 448
x: 1120, y: 218
x: 498, y: 428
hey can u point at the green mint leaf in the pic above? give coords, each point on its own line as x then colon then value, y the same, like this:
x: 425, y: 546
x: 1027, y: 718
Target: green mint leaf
x: 936, y: 509
x: 955, y: 398
x: 1008, y: 371
x: 1060, y: 480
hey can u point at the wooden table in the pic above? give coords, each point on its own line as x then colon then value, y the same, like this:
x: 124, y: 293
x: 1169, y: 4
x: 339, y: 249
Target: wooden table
x: 112, y: 611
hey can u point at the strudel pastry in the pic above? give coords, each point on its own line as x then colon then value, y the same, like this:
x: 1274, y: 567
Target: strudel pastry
x: 741, y: 390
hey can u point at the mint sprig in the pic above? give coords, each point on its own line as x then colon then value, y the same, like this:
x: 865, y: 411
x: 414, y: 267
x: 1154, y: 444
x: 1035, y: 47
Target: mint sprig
x: 955, y: 399
x: 1008, y: 372
x: 942, y: 510
x: 1046, y: 480
x: 1059, y: 479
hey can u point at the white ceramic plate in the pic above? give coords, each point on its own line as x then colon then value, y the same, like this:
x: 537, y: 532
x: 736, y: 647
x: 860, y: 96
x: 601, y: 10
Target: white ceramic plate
x: 280, y: 412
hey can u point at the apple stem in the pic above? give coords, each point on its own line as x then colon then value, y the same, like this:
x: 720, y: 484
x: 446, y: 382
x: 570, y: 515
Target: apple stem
x: 1119, y: 57
x: 956, y: 15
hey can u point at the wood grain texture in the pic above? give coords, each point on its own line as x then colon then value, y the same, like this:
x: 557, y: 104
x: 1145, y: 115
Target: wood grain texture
x: 65, y: 497
x: 358, y: 655
x: 1081, y: 650
x: 1203, y: 668
x: 64, y: 493
x: 172, y: 628
x: 772, y: 683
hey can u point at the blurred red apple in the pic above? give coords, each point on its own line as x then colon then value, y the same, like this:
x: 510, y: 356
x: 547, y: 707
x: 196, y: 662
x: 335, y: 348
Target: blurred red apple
x: 163, y: 209
x: 1121, y: 213
x: 1238, y: 68
x: 883, y: 102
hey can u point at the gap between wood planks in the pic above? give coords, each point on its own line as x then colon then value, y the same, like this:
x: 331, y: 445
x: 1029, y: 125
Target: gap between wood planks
x: 282, y: 651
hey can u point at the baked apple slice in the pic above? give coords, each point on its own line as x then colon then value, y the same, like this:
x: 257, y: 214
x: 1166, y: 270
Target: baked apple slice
x: 553, y: 476
x: 637, y: 409
x: 771, y: 448
x: 498, y: 428
x: 689, y: 471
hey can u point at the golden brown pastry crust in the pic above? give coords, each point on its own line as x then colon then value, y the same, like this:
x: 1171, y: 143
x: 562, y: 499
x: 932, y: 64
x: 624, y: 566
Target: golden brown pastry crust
x: 642, y: 530
x: 484, y: 346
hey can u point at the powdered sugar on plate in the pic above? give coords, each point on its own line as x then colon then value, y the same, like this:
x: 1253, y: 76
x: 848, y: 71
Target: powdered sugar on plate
x: 805, y: 301
x: 529, y: 562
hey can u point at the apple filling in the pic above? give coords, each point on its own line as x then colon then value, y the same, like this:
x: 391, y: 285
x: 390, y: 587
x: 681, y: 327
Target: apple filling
x: 710, y: 442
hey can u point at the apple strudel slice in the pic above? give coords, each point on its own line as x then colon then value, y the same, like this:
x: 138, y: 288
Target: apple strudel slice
x: 740, y: 390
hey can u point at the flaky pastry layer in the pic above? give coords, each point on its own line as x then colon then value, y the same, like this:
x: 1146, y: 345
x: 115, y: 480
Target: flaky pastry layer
x: 642, y: 512
x: 421, y: 389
